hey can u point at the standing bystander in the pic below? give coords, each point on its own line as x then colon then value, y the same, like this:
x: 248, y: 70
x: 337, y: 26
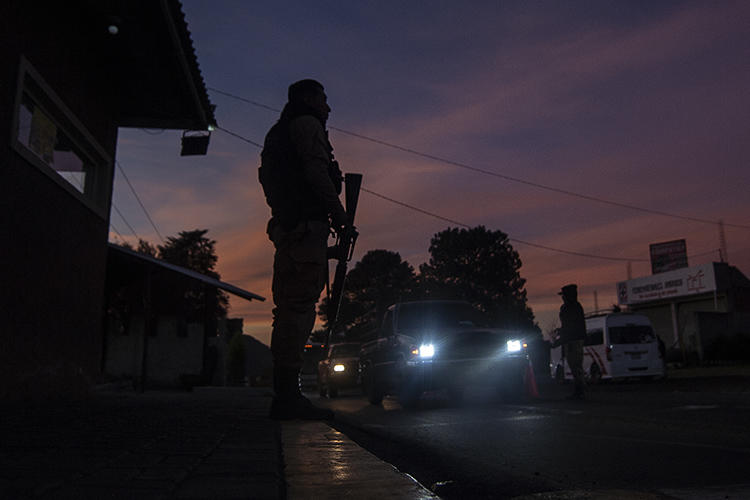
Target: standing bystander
x: 572, y: 334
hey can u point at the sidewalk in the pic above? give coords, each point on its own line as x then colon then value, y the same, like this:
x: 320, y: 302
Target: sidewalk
x: 213, y: 443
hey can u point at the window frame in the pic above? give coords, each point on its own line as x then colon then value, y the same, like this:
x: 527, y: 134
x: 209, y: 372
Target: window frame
x: 96, y: 195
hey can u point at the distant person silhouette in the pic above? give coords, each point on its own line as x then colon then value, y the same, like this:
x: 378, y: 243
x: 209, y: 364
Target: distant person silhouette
x: 301, y: 182
x: 572, y: 333
x: 662, y: 354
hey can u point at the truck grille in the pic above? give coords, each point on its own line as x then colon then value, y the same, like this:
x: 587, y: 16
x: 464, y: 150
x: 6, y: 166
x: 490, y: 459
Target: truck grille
x: 472, y: 345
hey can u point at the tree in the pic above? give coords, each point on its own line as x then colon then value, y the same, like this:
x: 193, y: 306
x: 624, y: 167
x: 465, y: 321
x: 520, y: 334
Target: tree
x: 193, y: 250
x: 380, y: 279
x: 146, y: 248
x: 481, y: 267
x: 143, y: 247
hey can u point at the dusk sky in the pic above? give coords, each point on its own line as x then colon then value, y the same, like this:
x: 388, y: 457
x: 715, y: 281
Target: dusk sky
x: 645, y: 104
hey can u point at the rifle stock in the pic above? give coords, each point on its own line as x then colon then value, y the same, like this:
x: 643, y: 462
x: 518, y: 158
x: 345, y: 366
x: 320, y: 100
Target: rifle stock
x: 345, y: 241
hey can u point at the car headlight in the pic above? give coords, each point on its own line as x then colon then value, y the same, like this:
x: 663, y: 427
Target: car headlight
x: 514, y: 345
x: 339, y: 367
x: 426, y: 351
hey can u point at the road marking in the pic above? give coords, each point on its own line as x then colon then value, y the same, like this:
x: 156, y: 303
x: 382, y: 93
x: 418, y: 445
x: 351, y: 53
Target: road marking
x: 662, y: 442
x: 696, y: 407
x: 483, y: 421
x: 710, y: 492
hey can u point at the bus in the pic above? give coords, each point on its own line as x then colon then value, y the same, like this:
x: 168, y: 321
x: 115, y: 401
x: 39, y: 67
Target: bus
x: 617, y: 345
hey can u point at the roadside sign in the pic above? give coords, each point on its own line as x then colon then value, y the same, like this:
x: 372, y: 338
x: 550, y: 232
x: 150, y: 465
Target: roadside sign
x: 668, y: 256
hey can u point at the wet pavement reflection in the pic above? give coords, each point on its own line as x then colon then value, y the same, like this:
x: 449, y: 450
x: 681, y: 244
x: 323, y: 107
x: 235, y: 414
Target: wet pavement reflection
x: 323, y: 463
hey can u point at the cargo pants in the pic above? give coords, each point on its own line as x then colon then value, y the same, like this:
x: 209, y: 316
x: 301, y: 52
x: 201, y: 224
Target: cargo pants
x: 574, y: 354
x: 299, y: 271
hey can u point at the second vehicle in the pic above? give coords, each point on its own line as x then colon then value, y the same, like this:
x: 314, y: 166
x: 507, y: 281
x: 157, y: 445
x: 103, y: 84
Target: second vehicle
x: 339, y: 369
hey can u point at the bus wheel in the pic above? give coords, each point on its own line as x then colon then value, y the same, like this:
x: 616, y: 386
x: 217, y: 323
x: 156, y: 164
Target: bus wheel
x: 595, y: 374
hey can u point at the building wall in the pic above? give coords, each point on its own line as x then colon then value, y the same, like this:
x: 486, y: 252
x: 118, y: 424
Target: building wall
x: 661, y: 319
x: 54, y: 247
x: 168, y: 354
x: 688, y: 310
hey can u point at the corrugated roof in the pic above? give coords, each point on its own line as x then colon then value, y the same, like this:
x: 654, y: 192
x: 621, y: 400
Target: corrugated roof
x: 187, y: 43
x: 186, y: 272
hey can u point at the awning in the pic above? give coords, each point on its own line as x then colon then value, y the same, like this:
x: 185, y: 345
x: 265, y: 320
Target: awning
x: 234, y: 290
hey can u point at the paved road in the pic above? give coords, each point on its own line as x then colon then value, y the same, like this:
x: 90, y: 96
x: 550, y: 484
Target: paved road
x: 680, y: 438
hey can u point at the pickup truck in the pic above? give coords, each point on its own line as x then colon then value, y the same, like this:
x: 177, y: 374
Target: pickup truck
x: 440, y: 345
x: 339, y: 369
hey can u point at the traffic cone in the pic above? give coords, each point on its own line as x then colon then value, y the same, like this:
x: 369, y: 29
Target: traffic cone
x: 531, y: 389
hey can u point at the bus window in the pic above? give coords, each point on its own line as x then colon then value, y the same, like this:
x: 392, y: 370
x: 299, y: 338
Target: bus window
x: 631, y: 334
x: 594, y: 337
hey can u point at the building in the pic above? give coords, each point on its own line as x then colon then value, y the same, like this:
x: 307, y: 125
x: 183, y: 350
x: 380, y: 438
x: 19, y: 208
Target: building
x: 156, y: 334
x: 697, y: 311
x: 72, y: 73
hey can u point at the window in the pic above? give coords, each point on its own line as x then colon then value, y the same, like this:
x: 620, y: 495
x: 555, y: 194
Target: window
x: 50, y: 137
x: 594, y: 337
x: 631, y: 334
x: 345, y: 351
x: 428, y: 315
x: 387, y: 329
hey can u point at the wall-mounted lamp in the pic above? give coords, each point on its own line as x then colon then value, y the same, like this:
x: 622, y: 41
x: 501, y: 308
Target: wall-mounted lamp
x: 195, y: 142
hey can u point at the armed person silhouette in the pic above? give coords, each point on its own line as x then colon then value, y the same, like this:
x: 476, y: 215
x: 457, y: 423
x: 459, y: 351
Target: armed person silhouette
x: 302, y: 183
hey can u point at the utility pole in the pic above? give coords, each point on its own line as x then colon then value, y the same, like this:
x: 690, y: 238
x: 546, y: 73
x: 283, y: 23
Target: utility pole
x: 596, y: 302
x: 722, y: 243
x: 630, y: 270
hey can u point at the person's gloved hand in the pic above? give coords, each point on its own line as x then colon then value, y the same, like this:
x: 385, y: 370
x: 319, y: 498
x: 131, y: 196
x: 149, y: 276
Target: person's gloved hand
x: 338, y: 220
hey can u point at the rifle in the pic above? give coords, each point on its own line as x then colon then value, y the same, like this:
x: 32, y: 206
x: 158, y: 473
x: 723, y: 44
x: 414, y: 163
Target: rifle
x: 343, y: 251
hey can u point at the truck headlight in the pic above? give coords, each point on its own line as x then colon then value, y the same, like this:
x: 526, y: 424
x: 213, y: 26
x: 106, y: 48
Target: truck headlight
x: 339, y: 368
x: 426, y: 351
x: 514, y: 345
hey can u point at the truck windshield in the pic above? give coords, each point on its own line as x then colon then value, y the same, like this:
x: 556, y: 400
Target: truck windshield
x: 310, y: 357
x: 631, y: 334
x: 439, y: 315
x: 345, y: 350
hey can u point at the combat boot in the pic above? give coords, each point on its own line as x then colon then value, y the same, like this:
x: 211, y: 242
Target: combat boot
x: 289, y: 403
x: 579, y: 391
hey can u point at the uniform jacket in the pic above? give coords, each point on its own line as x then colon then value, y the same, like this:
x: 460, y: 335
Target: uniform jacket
x: 572, y: 322
x: 296, y: 171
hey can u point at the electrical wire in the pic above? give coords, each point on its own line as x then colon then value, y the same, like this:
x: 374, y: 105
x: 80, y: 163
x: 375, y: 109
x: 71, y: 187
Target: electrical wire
x: 515, y: 240
x: 458, y: 223
x: 112, y: 226
x: 132, y: 189
x: 239, y: 136
x: 496, y: 174
x: 155, y: 132
x: 125, y: 221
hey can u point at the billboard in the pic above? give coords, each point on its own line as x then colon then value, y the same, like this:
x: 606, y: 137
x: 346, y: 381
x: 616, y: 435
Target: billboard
x: 668, y: 256
x: 679, y: 283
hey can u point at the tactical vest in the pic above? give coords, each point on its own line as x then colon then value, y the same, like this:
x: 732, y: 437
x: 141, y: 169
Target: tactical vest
x: 288, y: 193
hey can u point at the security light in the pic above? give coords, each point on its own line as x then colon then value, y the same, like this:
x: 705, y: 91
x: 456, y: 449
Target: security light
x: 195, y: 142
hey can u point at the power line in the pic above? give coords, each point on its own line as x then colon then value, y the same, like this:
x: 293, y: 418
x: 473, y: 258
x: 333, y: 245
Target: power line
x: 155, y: 132
x: 516, y: 240
x: 431, y: 214
x: 528, y: 243
x: 239, y: 98
x: 496, y: 174
x: 139, y: 201
x: 115, y: 230
x: 125, y: 221
x: 239, y: 137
